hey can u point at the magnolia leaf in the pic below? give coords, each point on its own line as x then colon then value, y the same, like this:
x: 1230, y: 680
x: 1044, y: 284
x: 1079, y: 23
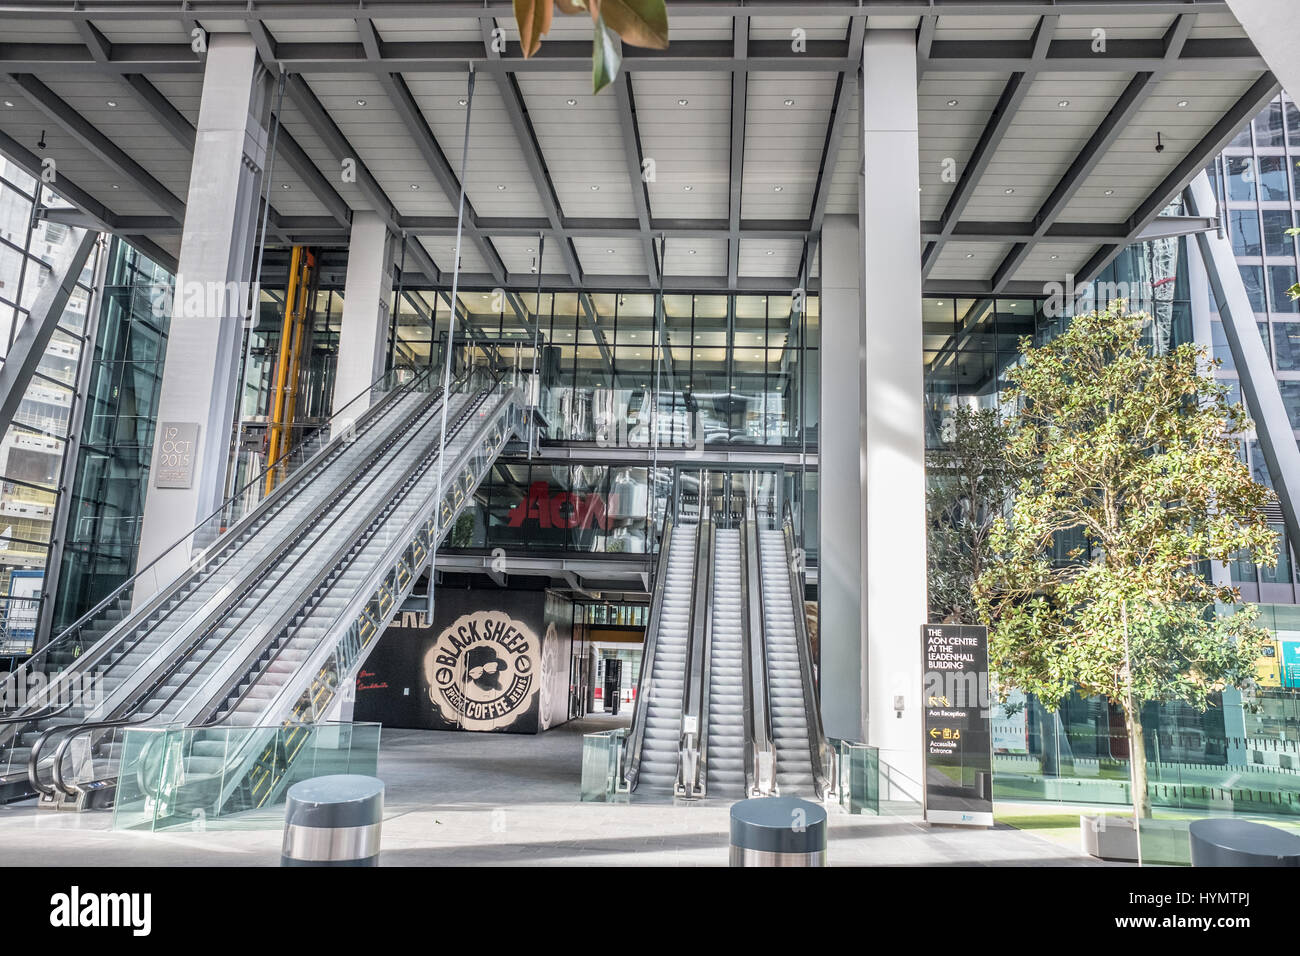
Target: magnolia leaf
x: 577, y: 6
x: 533, y: 18
x: 641, y: 23
x: 606, y: 57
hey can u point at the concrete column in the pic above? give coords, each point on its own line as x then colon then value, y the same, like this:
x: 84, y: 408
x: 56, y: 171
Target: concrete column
x: 363, y: 338
x: 1274, y: 27
x: 893, y: 449
x: 199, y: 387
x: 839, y: 490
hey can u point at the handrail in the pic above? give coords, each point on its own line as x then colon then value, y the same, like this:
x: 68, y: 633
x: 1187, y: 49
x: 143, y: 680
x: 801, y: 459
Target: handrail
x: 636, y: 733
x: 337, y: 558
x: 817, y: 747
x: 764, y: 752
x: 693, y: 726
x: 401, y: 540
x: 369, y: 417
x: 748, y: 696
x: 129, y: 715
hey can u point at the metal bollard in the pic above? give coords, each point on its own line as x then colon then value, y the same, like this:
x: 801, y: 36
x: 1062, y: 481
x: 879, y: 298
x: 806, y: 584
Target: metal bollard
x: 778, y: 831
x: 1228, y: 842
x: 333, y: 821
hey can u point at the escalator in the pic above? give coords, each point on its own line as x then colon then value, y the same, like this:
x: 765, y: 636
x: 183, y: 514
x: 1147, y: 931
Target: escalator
x: 728, y: 593
x: 278, y: 613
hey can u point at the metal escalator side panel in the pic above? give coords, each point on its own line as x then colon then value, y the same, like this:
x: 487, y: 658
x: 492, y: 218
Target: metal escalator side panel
x: 762, y: 762
x: 134, y: 620
x: 636, y: 733
x: 190, y: 634
x: 817, y: 747
x: 309, y: 691
x: 699, y: 786
x: 693, y: 727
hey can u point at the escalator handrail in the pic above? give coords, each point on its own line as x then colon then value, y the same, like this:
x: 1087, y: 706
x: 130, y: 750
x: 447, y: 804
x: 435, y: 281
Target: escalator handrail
x: 748, y: 697
x: 636, y: 733
x: 293, y: 608
x: 369, y: 416
x: 128, y: 713
x: 812, y: 710
x: 698, y: 634
x: 361, y: 596
x: 761, y: 722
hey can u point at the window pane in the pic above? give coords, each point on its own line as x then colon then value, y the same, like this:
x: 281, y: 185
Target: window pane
x: 1245, y: 232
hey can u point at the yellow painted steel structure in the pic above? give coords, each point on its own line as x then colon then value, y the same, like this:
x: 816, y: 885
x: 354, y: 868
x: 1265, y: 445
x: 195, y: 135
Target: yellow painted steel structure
x: 293, y: 333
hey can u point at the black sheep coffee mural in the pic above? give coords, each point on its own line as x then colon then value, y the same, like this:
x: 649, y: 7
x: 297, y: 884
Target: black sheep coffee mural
x: 491, y: 660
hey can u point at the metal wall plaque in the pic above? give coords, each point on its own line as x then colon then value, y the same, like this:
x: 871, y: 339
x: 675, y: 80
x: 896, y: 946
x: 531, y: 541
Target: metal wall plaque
x: 958, y: 725
x: 178, y: 446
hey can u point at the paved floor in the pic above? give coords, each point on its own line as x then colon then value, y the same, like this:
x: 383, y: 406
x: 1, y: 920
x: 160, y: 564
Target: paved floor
x: 495, y: 799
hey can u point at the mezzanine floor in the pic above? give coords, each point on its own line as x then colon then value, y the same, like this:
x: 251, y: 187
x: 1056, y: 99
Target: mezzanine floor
x: 479, y: 799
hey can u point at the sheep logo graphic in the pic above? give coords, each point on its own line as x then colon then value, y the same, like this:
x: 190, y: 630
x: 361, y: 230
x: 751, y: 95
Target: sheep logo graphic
x: 480, y: 670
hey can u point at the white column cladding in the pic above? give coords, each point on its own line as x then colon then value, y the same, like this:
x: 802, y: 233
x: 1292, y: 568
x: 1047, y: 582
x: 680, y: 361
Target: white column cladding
x: 1274, y: 27
x: 199, y: 386
x: 893, y: 449
x: 363, y: 337
x: 839, y: 489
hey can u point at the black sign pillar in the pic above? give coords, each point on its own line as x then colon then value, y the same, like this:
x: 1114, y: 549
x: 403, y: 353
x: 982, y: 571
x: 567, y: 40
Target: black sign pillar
x: 958, y: 725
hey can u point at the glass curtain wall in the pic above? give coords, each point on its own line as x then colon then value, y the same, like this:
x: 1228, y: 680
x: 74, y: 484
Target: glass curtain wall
x: 33, y: 450
x: 112, y: 470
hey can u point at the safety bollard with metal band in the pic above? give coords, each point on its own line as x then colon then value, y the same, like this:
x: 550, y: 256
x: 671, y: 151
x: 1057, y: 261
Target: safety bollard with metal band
x: 1229, y: 842
x: 778, y: 831
x: 333, y: 821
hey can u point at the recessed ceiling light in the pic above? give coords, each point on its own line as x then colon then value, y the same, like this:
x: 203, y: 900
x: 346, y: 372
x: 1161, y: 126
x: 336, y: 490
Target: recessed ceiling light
x: 595, y: 187
x: 682, y: 102
x: 687, y: 188
x: 571, y: 101
x: 1110, y: 192
x: 415, y: 185
x: 284, y: 185
x: 530, y: 249
x: 970, y: 255
x: 771, y: 252
x: 1054, y: 258
x: 610, y: 251
x: 501, y: 187
x: 1182, y: 104
x: 361, y: 102
x: 953, y: 102
x: 1009, y: 190
x: 777, y: 189
x: 462, y: 101
x: 112, y: 102
x: 9, y: 103
x: 690, y: 252
x: 1063, y: 104
x: 116, y: 186
x: 789, y: 102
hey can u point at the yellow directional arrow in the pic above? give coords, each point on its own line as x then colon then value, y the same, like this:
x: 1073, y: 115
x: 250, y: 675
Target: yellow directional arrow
x: 934, y: 731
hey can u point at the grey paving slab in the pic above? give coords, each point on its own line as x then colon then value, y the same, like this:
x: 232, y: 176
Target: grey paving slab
x: 503, y: 800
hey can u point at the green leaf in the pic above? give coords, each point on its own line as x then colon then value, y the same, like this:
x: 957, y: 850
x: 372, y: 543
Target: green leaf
x: 641, y: 23
x: 606, y: 57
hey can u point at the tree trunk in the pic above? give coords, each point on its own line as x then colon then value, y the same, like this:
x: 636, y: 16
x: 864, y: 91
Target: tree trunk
x: 1137, y: 759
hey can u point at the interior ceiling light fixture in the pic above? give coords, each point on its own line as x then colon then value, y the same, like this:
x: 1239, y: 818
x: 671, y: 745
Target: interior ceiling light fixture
x: 284, y: 185
x: 777, y: 189
x: 1110, y: 192
x: 687, y: 188
x: 112, y: 102
x: 571, y: 101
x: 683, y: 101
x: 462, y: 101
x: 690, y: 252
x: 415, y: 185
x: 953, y: 102
x: 789, y: 102
x: 1009, y: 191
x: 9, y: 103
x: 501, y: 187
x: 1183, y: 104
x: 361, y: 102
x: 1063, y: 104
x: 595, y: 187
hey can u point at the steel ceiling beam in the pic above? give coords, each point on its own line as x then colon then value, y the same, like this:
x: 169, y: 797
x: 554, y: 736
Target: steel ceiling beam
x: 995, y: 130
x: 1208, y: 55
x: 739, y: 108
x: 307, y: 170
x: 591, y: 318
x: 412, y: 117
x: 108, y: 152
x: 531, y: 150
x: 636, y: 173
x: 1214, y: 142
x: 1121, y: 115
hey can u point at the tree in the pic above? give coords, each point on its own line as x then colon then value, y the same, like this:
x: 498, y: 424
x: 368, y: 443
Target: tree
x: 970, y: 481
x: 1134, y: 455
x: 641, y: 23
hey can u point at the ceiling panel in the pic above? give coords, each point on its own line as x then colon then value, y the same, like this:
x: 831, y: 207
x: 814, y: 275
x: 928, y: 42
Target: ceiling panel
x: 786, y: 117
x: 689, y: 142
